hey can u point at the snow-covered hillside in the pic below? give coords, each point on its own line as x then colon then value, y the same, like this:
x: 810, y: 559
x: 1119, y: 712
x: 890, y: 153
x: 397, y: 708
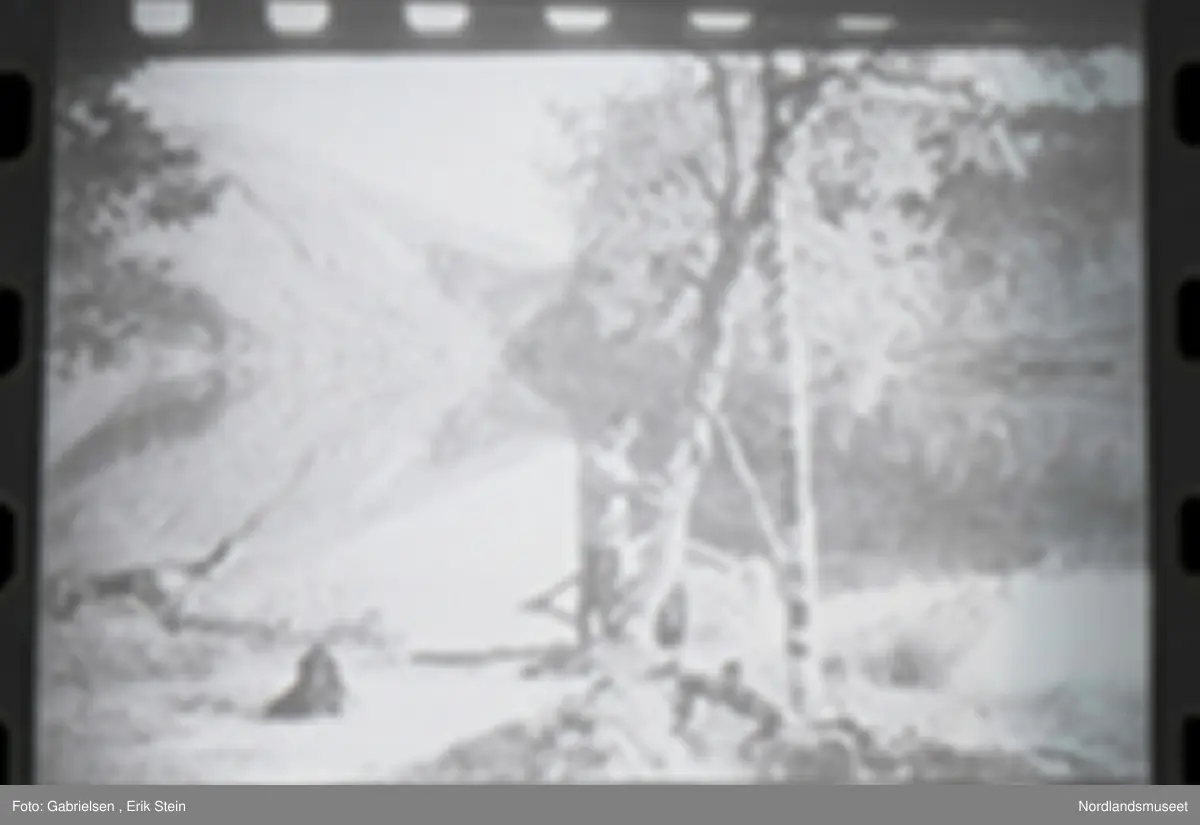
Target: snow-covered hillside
x: 348, y: 351
x: 346, y: 358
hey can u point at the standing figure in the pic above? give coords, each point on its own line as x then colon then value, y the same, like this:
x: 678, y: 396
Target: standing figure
x: 610, y: 481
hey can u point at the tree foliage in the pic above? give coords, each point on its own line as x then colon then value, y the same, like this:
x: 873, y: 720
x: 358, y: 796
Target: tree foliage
x: 961, y: 245
x: 117, y: 173
x: 964, y: 236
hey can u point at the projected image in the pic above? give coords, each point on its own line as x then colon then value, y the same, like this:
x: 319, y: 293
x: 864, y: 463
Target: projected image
x: 597, y: 418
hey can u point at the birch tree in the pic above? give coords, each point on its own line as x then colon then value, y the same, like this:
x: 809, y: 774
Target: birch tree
x: 796, y: 217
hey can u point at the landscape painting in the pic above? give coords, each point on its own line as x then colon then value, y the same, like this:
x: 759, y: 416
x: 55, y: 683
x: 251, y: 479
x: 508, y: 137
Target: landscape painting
x: 580, y: 417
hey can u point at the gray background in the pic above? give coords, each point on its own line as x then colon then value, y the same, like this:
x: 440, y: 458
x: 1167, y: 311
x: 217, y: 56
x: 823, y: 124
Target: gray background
x: 600, y: 806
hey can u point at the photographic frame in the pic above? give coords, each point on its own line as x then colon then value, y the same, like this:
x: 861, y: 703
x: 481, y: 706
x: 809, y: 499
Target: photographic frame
x: 229, y: 30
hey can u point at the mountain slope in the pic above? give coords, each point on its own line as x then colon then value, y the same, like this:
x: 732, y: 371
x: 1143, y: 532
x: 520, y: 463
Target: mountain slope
x: 348, y: 356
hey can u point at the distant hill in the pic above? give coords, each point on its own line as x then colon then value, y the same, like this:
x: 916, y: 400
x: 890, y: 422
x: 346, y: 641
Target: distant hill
x: 349, y: 349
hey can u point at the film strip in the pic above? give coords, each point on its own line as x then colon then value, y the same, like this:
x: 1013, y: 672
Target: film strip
x: 358, y: 28
x: 1171, y: 173
x: 35, y: 38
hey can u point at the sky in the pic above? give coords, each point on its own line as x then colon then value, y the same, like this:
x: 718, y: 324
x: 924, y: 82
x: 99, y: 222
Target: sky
x: 460, y: 137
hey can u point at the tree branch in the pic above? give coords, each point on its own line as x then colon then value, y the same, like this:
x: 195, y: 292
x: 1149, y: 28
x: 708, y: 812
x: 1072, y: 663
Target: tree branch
x: 721, y: 87
x: 768, y: 163
x: 745, y: 474
x: 708, y: 188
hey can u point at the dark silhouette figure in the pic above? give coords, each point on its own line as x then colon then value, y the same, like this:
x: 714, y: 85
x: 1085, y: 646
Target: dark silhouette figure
x: 671, y: 621
x: 728, y: 689
x: 318, y: 689
x: 598, y: 593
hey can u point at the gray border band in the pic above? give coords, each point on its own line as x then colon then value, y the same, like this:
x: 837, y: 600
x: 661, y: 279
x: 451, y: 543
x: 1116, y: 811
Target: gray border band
x: 593, y: 805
